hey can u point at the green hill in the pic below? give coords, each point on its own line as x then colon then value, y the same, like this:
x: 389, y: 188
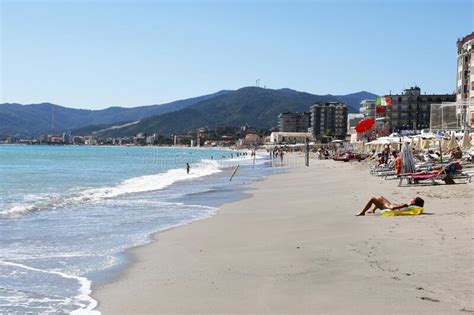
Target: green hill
x: 34, y: 119
x: 251, y: 105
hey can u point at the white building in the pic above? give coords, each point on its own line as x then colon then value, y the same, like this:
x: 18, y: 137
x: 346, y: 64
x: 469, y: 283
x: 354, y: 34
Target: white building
x: 368, y: 108
x: 465, y: 80
x: 290, y: 137
x: 352, y: 120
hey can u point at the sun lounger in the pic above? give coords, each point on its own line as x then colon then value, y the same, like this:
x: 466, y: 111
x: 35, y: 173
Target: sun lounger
x: 432, y: 177
x: 383, y: 169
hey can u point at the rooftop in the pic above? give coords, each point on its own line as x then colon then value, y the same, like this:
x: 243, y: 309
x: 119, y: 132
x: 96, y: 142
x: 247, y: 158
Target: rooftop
x: 328, y: 104
x: 291, y: 134
x: 466, y: 38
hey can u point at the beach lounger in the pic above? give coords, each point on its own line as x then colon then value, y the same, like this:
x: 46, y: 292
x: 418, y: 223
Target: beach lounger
x: 432, y: 177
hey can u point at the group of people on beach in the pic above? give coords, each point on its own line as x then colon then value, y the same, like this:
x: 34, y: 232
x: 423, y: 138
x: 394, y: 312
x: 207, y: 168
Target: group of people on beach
x: 277, y: 152
x: 322, y: 153
x: 386, y: 157
x: 392, y: 159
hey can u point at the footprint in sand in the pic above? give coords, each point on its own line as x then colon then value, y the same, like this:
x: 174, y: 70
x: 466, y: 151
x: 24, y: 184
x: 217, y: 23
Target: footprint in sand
x: 425, y: 298
x: 466, y: 310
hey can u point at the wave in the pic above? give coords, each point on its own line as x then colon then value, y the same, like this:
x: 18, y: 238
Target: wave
x: 139, y: 184
x: 84, y: 290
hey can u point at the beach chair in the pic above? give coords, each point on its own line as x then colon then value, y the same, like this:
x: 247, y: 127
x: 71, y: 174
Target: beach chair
x: 433, y: 177
x: 384, y: 170
x: 415, y: 179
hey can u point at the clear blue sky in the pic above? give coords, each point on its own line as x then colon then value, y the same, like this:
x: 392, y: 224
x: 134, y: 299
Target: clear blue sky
x: 95, y: 54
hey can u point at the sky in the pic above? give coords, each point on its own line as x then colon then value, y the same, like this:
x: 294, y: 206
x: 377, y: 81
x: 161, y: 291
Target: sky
x: 96, y: 54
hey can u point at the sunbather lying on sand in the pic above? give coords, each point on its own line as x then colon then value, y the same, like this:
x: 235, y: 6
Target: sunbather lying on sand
x: 382, y: 203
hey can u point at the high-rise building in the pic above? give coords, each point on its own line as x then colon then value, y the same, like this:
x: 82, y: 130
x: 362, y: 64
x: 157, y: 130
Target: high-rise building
x: 465, y: 80
x: 465, y: 73
x: 411, y: 110
x: 294, y: 122
x: 329, y: 118
x: 367, y: 108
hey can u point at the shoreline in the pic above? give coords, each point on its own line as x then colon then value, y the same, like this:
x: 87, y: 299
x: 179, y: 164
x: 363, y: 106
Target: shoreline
x: 255, y: 256
x: 128, y: 256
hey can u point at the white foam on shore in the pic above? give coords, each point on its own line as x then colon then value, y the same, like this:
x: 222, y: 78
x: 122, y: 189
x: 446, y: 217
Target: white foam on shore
x: 133, y: 185
x: 84, y: 290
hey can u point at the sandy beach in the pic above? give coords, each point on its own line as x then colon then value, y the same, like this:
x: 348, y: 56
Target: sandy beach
x: 295, y: 246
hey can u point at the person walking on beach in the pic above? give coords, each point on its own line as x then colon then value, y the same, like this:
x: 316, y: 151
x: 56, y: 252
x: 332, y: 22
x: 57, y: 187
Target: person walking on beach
x: 281, y: 156
x: 188, y: 168
x: 383, y: 203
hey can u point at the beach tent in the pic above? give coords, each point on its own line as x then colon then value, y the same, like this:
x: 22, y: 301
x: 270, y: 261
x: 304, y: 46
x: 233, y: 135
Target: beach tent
x: 453, y: 144
x: 466, y: 140
x: 408, y: 163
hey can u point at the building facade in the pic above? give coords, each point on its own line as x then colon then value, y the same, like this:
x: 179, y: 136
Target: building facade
x: 367, y: 108
x: 465, y: 80
x: 294, y: 122
x: 290, y: 137
x: 353, y: 120
x: 465, y: 68
x: 250, y: 140
x: 411, y: 110
x: 329, y: 119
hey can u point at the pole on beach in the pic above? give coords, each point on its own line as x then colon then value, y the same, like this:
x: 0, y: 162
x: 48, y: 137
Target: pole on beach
x: 254, y: 157
x: 306, y: 152
x: 440, y: 151
x: 233, y: 173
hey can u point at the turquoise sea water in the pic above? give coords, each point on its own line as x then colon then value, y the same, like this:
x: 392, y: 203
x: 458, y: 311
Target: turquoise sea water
x: 67, y: 214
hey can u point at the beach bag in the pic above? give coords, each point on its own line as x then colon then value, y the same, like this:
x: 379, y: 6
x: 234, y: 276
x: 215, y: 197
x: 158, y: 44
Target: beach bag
x: 452, y: 168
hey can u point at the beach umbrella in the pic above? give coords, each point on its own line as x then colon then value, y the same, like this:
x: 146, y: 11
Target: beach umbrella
x: 444, y: 144
x: 466, y: 140
x: 408, y: 163
x: 453, y: 144
x: 364, y: 124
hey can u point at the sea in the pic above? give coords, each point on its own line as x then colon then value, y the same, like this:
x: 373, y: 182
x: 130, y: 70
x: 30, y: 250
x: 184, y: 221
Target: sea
x: 68, y: 214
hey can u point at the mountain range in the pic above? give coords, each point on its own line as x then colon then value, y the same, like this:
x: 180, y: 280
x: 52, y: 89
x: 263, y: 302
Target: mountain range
x: 250, y: 105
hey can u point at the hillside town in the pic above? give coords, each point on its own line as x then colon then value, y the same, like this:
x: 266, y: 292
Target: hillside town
x: 409, y: 113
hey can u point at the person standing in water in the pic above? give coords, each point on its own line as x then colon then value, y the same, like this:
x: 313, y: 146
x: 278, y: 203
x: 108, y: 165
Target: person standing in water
x: 187, y: 168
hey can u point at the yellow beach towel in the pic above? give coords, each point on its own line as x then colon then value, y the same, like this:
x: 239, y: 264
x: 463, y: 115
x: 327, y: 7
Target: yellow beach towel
x: 411, y: 210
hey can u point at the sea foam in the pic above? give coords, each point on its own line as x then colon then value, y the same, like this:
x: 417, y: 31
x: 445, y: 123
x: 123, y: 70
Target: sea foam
x: 129, y: 186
